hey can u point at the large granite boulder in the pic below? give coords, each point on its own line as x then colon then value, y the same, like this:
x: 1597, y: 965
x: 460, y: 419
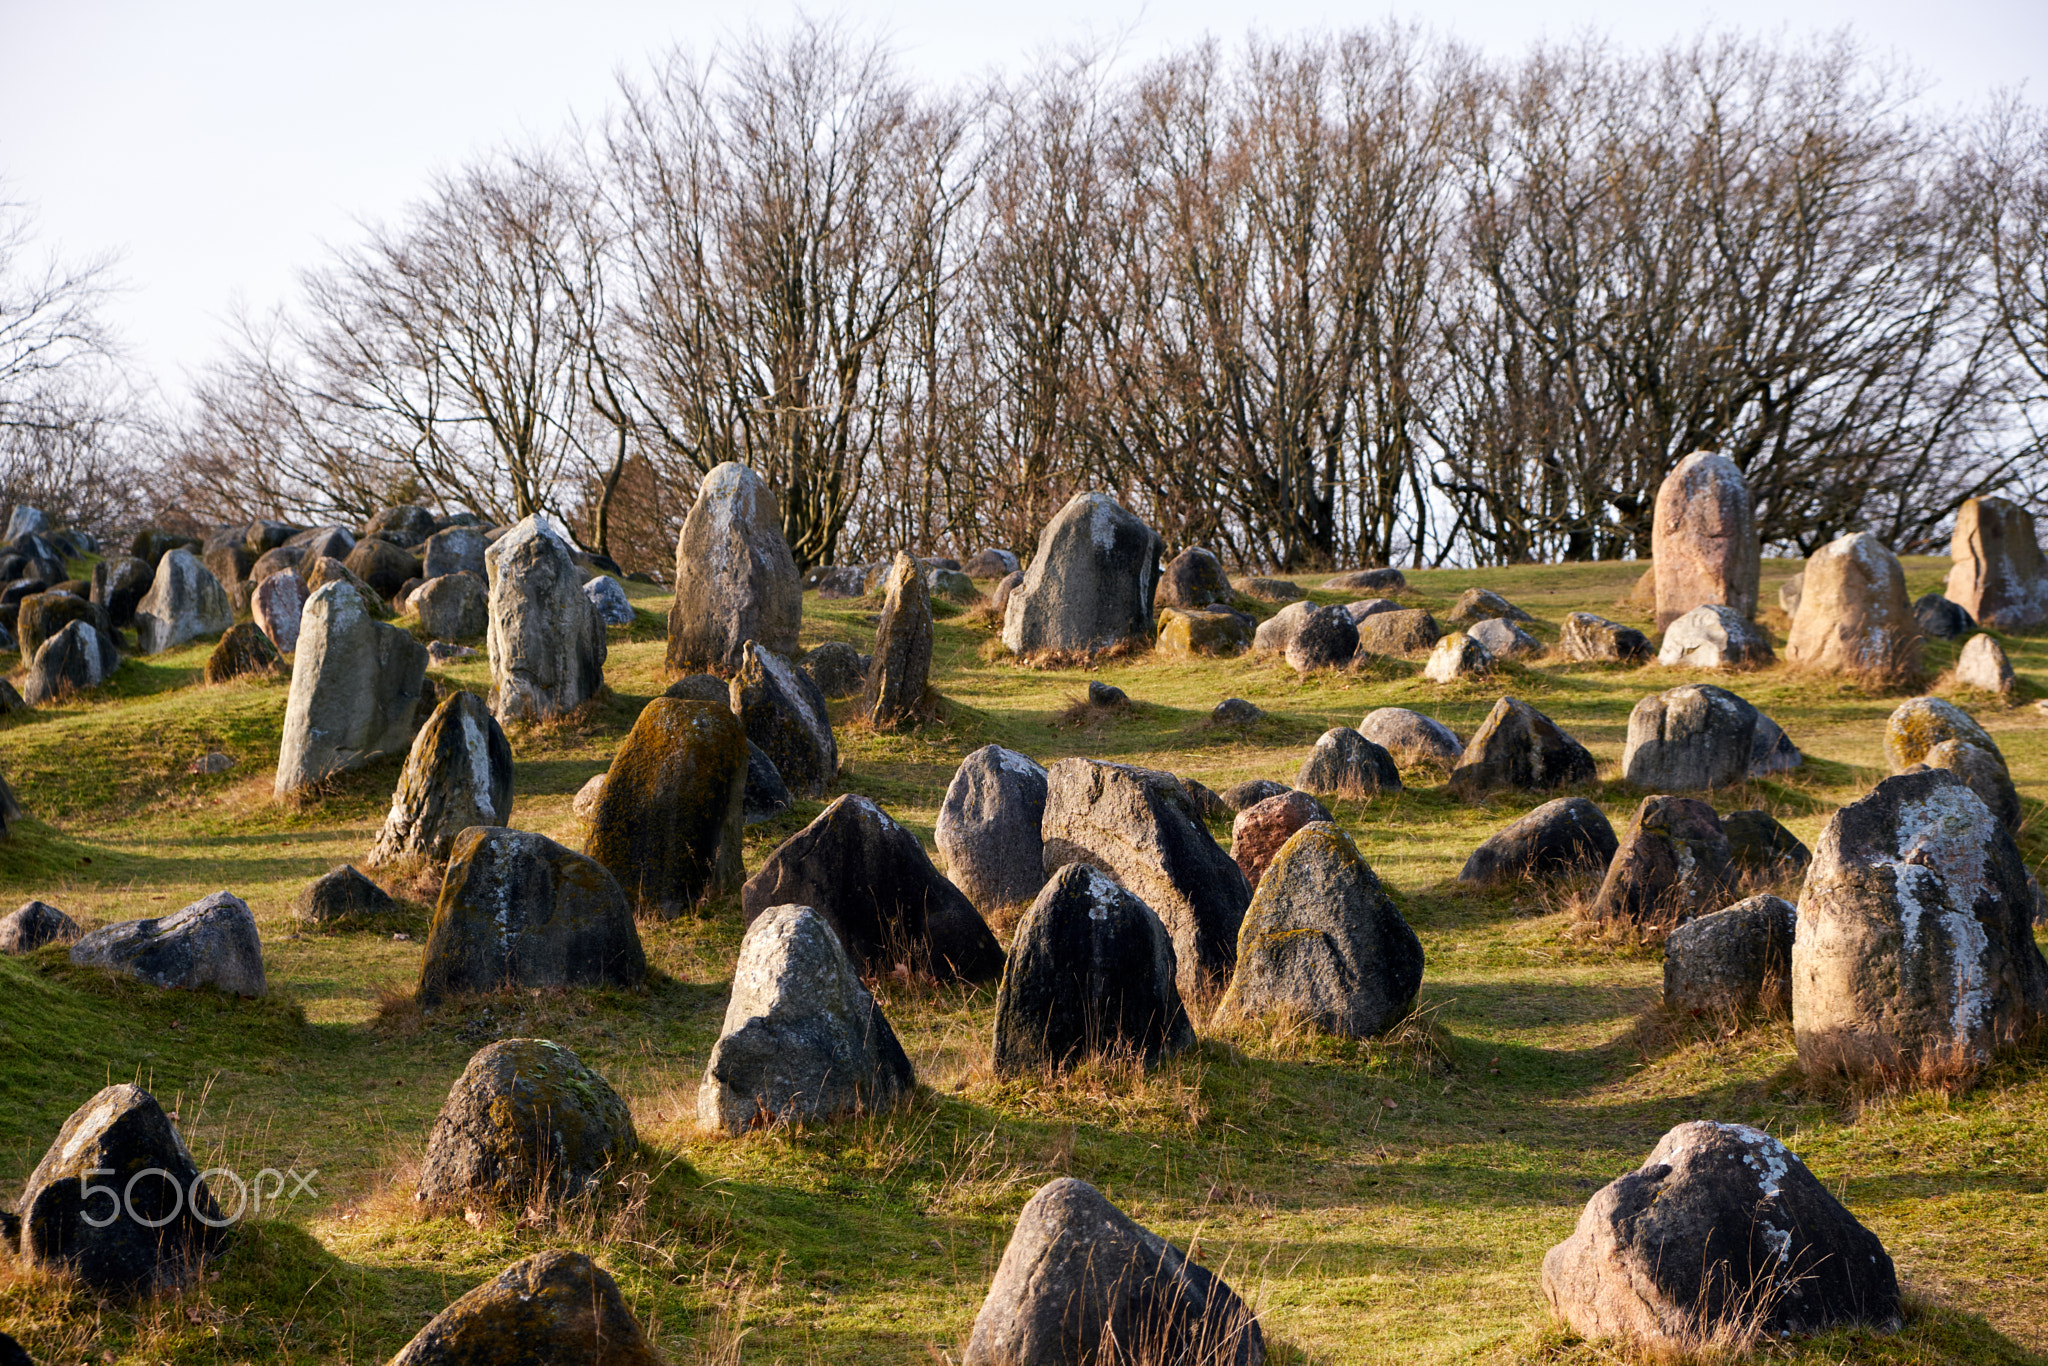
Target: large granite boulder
x: 1712, y: 636
x: 1594, y: 639
x: 382, y: 565
x: 785, y: 714
x: 1397, y: 633
x: 1918, y: 724
x: 1322, y: 942
x: 989, y: 828
x: 1981, y: 664
x: 1414, y: 740
x: 1503, y: 639
x: 877, y: 888
x: 1203, y: 632
x: 1346, y: 764
x: 527, y: 1122
x: 33, y: 924
x: 453, y: 607
x: 1562, y: 836
x: 1998, y: 576
x: 1517, y: 747
x: 277, y: 605
x: 356, y: 684
x: 1090, y: 586
x: 736, y: 581
x: 1141, y: 827
x: 518, y: 910
x: 1733, y: 961
x: 1703, y: 539
x: 1193, y: 579
x: 802, y: 1039
x: 119, y: 585
x: 243, y: 652
x: 1720, y: 1234
x: 1690, y: 739
x: 1983, y: 771
x: 457, y: 774
x: 558, y: 1308
x: 1456, y: 657
x: 118, y: 1202
x: 1258, y: 831
x: 547, y: 645
x: 1673, y: 864
x: 670, y: 819
x: 893, y: 693
x: 1091, y: 974
x: 458, y: 550
x: 210, y: 943
x: 76, y: 659
x: 1854, y: 616
x: 1079, y: 1273
x: 185, y: 601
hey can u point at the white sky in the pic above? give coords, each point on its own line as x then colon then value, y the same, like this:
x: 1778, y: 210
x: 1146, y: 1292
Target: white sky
x: 218, y: 144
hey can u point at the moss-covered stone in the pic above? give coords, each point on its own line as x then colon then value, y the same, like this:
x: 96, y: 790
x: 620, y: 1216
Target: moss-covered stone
x: 243, y: 650
x: 527, y: 1120
x: 552, y: 1309
x: 669, y: 820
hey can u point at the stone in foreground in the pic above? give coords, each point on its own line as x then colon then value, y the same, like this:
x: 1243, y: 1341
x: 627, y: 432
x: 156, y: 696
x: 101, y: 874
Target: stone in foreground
x: 1733, y: 961
x: 670, y: 819
x: 210, y: 943
x: 1519, y: 748
x: 1673, y: 864
x: 74, y: 660
x: 1203, y: 632
x: 527, y: 1121
x: 1090, y: 586
x: 989, y: 828
x: 552, y: 1309
x: 1562, y: 836
x: 1690, y: 739
x: 457, y: 774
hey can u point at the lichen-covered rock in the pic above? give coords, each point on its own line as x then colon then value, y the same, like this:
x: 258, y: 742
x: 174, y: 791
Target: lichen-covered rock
x: 1258, y: 831
x: 1690, y: 739
x: 1673, y: 863
x: 1982, y: 665
x: 1078, y: 1273
x: 1714, y: 637
x: 989, y: 828
x: 74, y: 660
x: 185, y: 601
x: 277, y: 605
x: 1346, y: 764
x: 608, y: 599
x: 342, y: 894
x: 1721, y: 1232
x: 1141, y: 827
x: 1998, y: 576
x: 518, y: 910
x: 1854, y: 616
x: 1091, y: 974
x: 1918, y: 724
x: 40, y: 616
x: 1192, y: 580
x: 1456, y: 657
x: 802, y: 1038
x: 1594, y: 639
x: 1090, y: 585
x: 1733, y: 961
x: 162, y: 1220
x: 1187, y: 633
x: 1327, y: 639
x: 1412, y: 739
x: 784, y: 713
x: 119, y: 584
x: 244, y: 651
x: 356, y: 685
x: 1760, y: 847
x: 547, y: 645
x: 458, y: 550
x: 1562, y: 836
x: 1940, y: 619
x: 1703, y: 539
x: 877, y: 888
x: 210, y: 943
x: 893, y: 693
x: 1503, y: 639
x: 1518, y: 747
x: 670, y: 819
x: 1367, y: 581
x: 1277, y: 632
x: 382, y: 565
x: 457, y: 774
x: 527, y: 1121
x: 34, y: 924
x: 1985, y: 774
x: 1397, y: 633
x: 558, y: 1308
x: 1323, y: 943
x: 835, y: 668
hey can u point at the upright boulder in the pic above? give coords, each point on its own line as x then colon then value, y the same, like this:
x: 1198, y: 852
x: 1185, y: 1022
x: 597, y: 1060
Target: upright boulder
x: 1703, y: 539
x: 1258, y: 831
x: 547, y: 645
x: 1998, y: 576
x: 119, y: 584
x: 457, y: 774
x: 527, y: 1122
x: 784, y: 713
x: 736, y: 581
x: 518, y: 910
x: 1673, y: 864
x: 989, y: 828
x: 244, y: 652
x: 1323, y: 943
x: 555, y: 1307
x: 1854, y: 616
x: 1194, y: 579
x: 1517, y: 747
x: 1091, y: 974
x: 356, y: 684
x: 892, y: 695
x: 1715, y: 637
x: 185, y: 601
x: 74, y: 660
x: 1346, y: 764
x: 1733, y: 961
x: 1139, y: 826
x: 278, y: 604
x: 453, y: 607
x: 1564, y: 835
x: 210, y: 943
x: 670, y: 819
x: 1328, y: 639
x: 39, y: 616
x: 1982, y: 665
x: 802, y: 1038
x: 1690, y: 739
x: 1090, y: 586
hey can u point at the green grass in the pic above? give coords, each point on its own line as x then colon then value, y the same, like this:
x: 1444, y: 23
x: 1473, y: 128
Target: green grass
x: 1379, y: 1202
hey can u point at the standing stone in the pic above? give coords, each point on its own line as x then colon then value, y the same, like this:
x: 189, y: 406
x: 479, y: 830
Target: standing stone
x: 1998, y: 576
x: 244, y: 651
x: 736, y: 581
x: 1194, y: 579
x: 342, y: 894
x: 1328, y: 639
x: 1091, y: 584
x: 119, y: 585
x: 526, y: 1122
x: 1411, y: 738
x: 1734, y: 961
x: 1258, y: 831
x: 1397, y: 633
x: 1940, y: 619
x: 876, y: 887
x: 1715, y: 637
x: 458, y: 550
x: 547, y: 646
x: 185, y: 601
x: 356, y: 684
x: 1982, y: 665
x: 122, y: 1139
x: 1456, y: 657
x: 278, y: 605
x: 75, y: 659
x: 33, y: 924
x: 1518, y: 747
x: 1091, y: 974
x: 1346, y: 764
x: 1691, y: 739
x: 989, y: 828
x: 1721, y: 1233
x: 518, y: 910
x: 1139, y: 826
x: 210, y: 943
x: 670, y: 819
x: 784, y: 713
x: 1564, y: 835
x: 1674, y: 863
x: 1915, y: 958
x: 458, y: 774
x: 1854, y: 616
x: 555, y: 1307
x: 1323, y: 943
x: 893, y: 694
x: 1596, y: 640
x: 1079, y: 1273
x: 608, y: 599
x: 802, y: 1038
x: 1703, y: 539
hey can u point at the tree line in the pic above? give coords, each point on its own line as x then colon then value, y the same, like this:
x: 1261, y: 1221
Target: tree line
x: 1368, y: 297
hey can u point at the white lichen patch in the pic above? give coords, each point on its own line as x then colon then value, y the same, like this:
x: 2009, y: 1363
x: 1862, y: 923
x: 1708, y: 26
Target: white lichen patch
x: 1017, y: 763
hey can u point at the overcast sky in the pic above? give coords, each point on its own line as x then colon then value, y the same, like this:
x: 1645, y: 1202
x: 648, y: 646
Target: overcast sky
x: 217, y: 144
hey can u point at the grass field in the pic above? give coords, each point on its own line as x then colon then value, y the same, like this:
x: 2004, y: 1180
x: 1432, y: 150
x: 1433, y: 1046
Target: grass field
x: 1383, y: 1202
